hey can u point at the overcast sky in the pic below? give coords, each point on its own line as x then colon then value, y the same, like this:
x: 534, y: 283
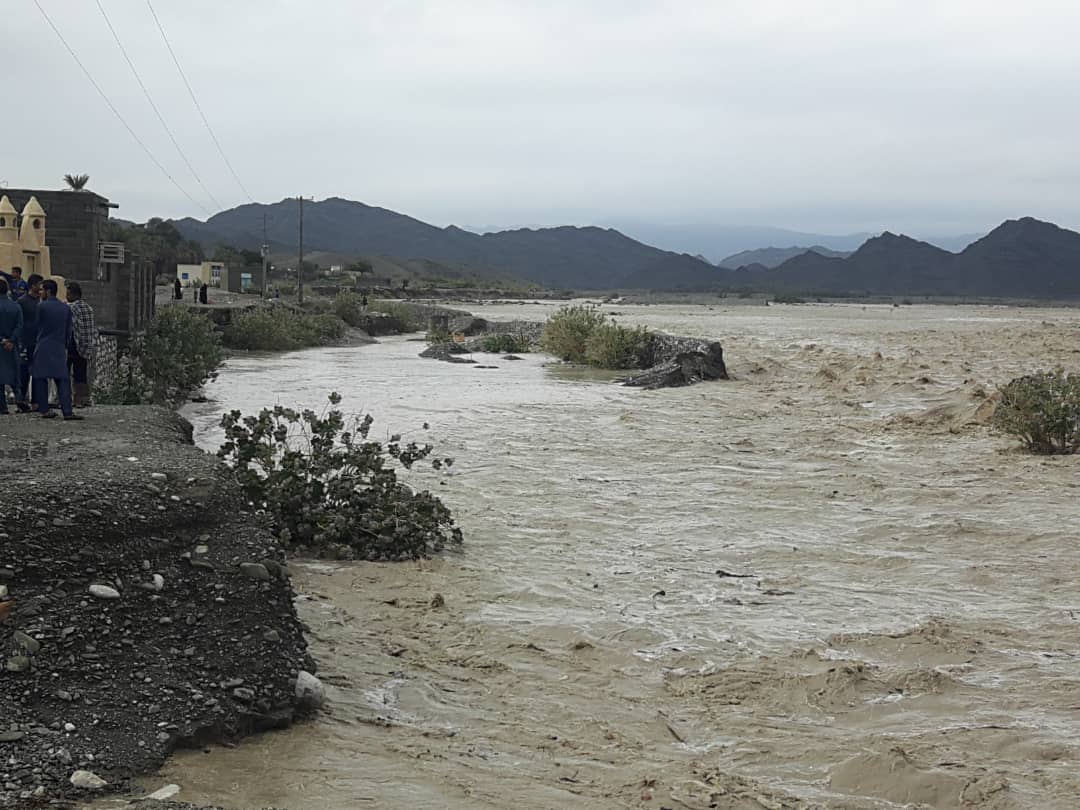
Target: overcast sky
x: 918, y: 116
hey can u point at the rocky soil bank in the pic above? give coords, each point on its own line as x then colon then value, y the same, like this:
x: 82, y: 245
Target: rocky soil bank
x: 142, y: 607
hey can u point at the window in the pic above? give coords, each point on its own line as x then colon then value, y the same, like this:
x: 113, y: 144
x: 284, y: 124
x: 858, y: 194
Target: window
x: 3, y: 222
x: 37, y: 224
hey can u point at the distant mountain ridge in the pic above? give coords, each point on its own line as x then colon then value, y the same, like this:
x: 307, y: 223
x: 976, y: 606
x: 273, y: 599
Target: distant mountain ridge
x: 585, y: 258
x: 717, y: 242
x: 774, y: 256
x: 1020, y: 258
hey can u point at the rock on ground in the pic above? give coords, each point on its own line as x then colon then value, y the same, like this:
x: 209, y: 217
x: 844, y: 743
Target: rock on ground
x: 190, y: 651
x: 677, y: 361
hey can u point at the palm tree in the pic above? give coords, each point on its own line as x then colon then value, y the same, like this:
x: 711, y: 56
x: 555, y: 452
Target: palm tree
x: 76, y: 182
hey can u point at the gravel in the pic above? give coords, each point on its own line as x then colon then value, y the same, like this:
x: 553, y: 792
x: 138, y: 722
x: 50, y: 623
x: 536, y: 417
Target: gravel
x: 122, y: 643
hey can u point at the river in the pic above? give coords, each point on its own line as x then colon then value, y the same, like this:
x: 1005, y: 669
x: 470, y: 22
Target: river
x: 823, y: 581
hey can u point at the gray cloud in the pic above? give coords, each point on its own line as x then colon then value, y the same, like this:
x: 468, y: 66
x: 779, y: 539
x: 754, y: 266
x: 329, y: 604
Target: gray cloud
x: 924, y: 116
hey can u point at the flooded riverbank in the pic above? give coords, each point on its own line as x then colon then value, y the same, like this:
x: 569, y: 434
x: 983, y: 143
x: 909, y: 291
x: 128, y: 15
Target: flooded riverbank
x: 823, y: 581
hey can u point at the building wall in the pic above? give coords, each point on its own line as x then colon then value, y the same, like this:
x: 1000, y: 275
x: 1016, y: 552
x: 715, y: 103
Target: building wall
x: 74, y: 225
x: 209, y: 273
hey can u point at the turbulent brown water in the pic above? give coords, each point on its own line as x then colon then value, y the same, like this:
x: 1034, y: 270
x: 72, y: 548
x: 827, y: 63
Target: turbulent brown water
x: 824, y: 581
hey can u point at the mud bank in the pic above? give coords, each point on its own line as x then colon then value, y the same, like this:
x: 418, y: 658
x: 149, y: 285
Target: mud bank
x: 147, y: 610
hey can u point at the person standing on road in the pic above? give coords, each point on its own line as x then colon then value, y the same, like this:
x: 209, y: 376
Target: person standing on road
x: 84, y: 337
x: 50, y: 354
x: 29, y: 305
x: 178, y: 291
x: 11, y: 321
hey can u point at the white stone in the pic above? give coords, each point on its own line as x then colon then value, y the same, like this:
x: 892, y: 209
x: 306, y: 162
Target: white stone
x: 310, y: 692
x: 159, y: 476
x: 69, y: 727
x: 164, y: 794
x: 159, y: 582
x: 3, y: 591
x: 87, y: 780
x: 104, y: 592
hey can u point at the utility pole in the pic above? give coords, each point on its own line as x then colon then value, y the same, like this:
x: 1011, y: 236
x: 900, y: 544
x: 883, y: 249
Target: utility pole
x: 300, y: 257
x: 266, y: 261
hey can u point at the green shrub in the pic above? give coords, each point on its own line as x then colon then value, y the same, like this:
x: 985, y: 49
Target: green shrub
x: 1043, y: 411
x: 582, y: 334
x: 281, y: 328
x: 505, y: 344
x: 438, y: 335
x: 325, y: 484
x: 347, y: 306
x: 568, y: 330
x: 178, y: 353
x: 614, y: 346
x: 404, y: 313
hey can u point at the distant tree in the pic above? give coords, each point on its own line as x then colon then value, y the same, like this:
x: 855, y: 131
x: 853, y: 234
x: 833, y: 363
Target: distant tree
x: 158, y: 241
x: 238, y: 257
x: 76, y: 182
x: 360, y: 267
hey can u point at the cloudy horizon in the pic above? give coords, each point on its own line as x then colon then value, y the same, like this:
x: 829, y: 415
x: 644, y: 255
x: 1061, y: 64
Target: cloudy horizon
x: 930, y: 118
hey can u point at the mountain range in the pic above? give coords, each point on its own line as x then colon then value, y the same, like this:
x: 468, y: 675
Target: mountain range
x: 1020, y: 258
x: 774, y: 256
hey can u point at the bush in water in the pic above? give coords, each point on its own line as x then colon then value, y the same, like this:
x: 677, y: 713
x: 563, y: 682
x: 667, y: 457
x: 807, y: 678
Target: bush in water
x: 569, y: 329
x: 281, y: 328
x: 348, y: 307
x: 506, y: 344
x: 582, y: 334
x: 1043, y: 411
x: 615, y: 346
x: 326, y: 484
x: 406, y: 314
x: 179, y: 352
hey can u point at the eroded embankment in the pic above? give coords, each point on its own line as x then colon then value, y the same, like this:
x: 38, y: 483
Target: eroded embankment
x: 147, y: 609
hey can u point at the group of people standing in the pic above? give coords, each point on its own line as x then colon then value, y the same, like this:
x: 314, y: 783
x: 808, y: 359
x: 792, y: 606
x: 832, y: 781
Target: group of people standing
x: 44, y: 340
x: 198, y: 292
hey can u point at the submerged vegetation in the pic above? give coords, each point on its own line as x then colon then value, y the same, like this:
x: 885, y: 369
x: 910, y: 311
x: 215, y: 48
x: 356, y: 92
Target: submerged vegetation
x: 178, y: 353
x: 326, y: 484
x: 506, y: 344
x: 582, y: 334
x: 404, y: 313
x: 281, y: 328
x: 1043, y: 411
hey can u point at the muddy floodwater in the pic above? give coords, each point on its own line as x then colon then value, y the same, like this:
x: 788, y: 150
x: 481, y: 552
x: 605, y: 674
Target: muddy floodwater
x: 823, y: 583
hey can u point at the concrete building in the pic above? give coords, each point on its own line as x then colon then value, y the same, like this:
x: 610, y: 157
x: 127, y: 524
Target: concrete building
x: 23, y: 246
x: 195, y: 275
x: 247, y: 279
x: 61, y: 235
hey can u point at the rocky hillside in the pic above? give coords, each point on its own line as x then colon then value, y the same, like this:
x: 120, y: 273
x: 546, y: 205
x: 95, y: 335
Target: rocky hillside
x: 581, y: 258
x: 1020, y: 258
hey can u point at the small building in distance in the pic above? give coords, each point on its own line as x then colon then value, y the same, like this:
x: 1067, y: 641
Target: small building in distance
x: 195, y: 275
x: 250, y: 278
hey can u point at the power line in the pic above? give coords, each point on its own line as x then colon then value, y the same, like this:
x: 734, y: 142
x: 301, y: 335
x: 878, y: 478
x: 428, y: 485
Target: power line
x: 115, y: 111
x: 154, y: 106
x: 194, y: 100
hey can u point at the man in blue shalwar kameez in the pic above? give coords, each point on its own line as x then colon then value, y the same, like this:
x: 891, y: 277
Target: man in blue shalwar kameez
x: 11, y: 320
x: 50, y: 353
